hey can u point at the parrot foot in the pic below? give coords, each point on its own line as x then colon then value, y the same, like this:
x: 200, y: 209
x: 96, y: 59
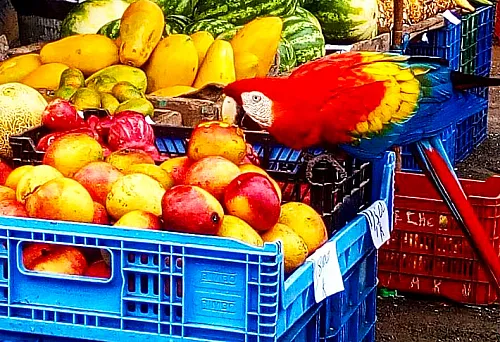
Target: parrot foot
x: 313, y: 160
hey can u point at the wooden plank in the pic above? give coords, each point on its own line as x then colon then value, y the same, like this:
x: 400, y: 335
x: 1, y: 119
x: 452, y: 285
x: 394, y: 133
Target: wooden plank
x: 380, y: 43
x: 425, y: 25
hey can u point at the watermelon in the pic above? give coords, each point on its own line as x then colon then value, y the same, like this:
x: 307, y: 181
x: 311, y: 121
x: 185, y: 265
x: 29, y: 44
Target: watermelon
x: 288, y: 61
x: 175, y: 24
x: 305, y: 37
x: 176, y: 7
x: 111, y: 29
x: 229, y: 34
x: 214, y: 26
x: 240, y: 12
x: 346, y: 21
x: 302, y: 12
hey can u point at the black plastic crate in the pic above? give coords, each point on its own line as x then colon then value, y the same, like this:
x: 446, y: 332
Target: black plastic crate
x: 310, y: 177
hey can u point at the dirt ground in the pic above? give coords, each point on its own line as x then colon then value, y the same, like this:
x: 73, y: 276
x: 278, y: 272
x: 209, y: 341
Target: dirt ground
x: 420, y: 319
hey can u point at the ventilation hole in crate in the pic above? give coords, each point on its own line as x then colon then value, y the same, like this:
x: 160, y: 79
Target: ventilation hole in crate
x: 178, y: 262
x: 5, y: 269
x: 155, y: 260
x: 131, y: 258
x: 49, y: 316
x: 156, y: 285
x: 144, y: 308
x: 178, y: 312
x: 155, y: 309
x: 79, y: 319
x: 144, y: 283
x: 167, y: 262
x: 131, y: 307
x: 131, y: 282
x: 166, y: 287
x: 179, y: 287
x: 166, y: 311
x: 144, y: 260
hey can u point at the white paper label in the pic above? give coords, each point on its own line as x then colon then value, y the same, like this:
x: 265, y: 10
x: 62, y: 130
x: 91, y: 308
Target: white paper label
x: 327, y: 276
x: 451, y: 17
x: 377, y: 216
x: 342, y: 48
x: 149, y: 120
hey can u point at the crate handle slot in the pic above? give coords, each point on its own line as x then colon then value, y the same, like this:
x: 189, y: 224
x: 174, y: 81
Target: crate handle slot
x: 312, y: 161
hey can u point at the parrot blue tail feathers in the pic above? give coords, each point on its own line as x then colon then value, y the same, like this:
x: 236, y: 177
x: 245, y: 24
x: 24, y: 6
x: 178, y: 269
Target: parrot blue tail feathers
x: 433, y: 160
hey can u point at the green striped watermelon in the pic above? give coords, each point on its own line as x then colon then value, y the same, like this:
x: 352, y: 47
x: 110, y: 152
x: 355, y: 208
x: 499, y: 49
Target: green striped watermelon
x: 229, y: 34
x: 214, y: 26
x: 305, y: 37
x: 302, y: 12
x: 288, y: 60
x: 177, y: 7
x: 239, y: 12
x: 111, y: 29
x: 346, y: 21
x: 175, y: 24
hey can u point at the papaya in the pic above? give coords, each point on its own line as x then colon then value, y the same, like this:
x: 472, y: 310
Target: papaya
x: 173, y: 91
x: 173, y: 62
x: 46, y: 76
x: 202, y: 41
x: 16, y: 68
x: 246, y: 65
x: 141, y: 28
x: 260, y: 37
x: 103, y: 83
x: 65, y: 92
x: 87, y: 52
x: 122, y: 73
x: 218, y: 65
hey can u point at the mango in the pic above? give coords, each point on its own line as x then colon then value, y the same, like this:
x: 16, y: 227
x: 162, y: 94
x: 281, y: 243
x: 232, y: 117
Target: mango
x: 306, y: 222
x: 202, y: 41
x: 85, y: 98
x: 16, y: 68
x: 122, y: 159
x: 294, y: 247
x: 236, y: 228
x: 47, y: 76
x: 173, y: 62
x: 246, y: 65
x: 153, y: 171
x: 72, y: 77
x: 122, y: 73
x: 142, y: 106
x: 65, y: 92
x: 86, y: 52
x: 109, y: 102
x: 141, y: 28
x: 124, y: 91
x: 103, y: 83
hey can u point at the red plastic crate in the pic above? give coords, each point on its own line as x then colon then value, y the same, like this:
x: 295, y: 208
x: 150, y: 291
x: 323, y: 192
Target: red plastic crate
x: 428, y: 253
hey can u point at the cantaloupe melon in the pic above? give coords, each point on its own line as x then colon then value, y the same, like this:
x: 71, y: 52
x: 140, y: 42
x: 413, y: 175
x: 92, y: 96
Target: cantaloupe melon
x: 21, y: 108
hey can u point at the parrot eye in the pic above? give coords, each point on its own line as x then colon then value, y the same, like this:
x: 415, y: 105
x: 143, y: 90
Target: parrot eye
x: 256, y: 98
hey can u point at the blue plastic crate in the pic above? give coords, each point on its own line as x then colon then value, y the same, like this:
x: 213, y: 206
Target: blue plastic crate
x: 486, y: 23
x: 471, y: 132
x: 448, y: 137
x: 167, y: 286
x: 443, y: 42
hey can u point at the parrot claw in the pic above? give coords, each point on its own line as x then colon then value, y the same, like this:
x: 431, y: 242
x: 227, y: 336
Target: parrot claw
x: 313, y: 160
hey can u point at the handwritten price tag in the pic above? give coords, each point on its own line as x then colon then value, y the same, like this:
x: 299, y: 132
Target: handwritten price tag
x: 327, y: 276
x: 377, y: 216
x: 451, y: 17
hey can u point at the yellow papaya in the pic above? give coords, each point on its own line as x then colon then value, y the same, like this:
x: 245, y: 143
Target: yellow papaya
x: 246, y: 65
x: 46, y: 76
x: 141, y: 28
x: 119, y: 73
x: 173, y: 62
x: 86, y: 52
x: 16, y: 68
x: 173, y: 91
x: 202, y: 41
x: 260, y: 37
x: 218, y: 65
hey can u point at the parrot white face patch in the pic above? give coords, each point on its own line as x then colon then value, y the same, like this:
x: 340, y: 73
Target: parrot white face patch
x: 258, y: 107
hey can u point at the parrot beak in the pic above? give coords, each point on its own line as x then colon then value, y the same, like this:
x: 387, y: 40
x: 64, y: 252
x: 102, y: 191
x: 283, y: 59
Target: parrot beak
x: 232, y: 112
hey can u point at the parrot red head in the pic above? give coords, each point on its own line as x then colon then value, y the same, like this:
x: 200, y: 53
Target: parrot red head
x: 257, y: 96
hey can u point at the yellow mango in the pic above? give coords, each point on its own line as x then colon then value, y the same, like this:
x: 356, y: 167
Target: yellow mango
x: 16, y: 68
x: 260, y: 37
x: 86, y: 52
x: 246, y: 65
x: 141, y: 28
x: 218, y: 65
x: 173, y: 91
x: 202, y: 41
x: 173, y: 62
x: 46, y: 76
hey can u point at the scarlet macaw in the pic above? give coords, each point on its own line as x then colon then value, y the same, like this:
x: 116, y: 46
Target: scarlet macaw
x: 368, y: 102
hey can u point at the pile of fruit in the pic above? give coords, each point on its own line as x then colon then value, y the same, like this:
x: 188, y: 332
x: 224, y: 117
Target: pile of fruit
x: 216, y: 189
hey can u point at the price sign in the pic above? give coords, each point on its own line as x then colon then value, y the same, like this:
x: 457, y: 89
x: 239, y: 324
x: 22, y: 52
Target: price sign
x: 377, y: 216
x: 327, y: 276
